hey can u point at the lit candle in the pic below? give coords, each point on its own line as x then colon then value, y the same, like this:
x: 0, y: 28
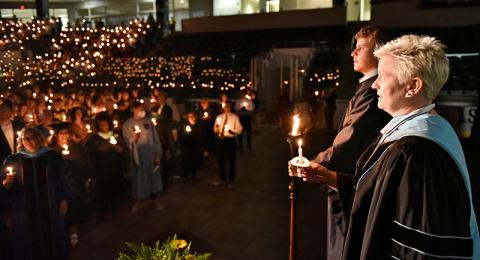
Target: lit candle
x: 30, y: 117
x: 115, y: 123
x: 65, y: 149
x: 113, y: 140
x: 49, y: 107
x: 34, y: 95
x: 188, y: 129
x: 64, y: 118
x: 223, y: 105
x: 300, y: 151
x: 248, y: 97
x: 115, y: 106
x: 296, y: 125
x: 245, y: 104
x: 52, y: 132
x: 316, y: 93
x: 137, y: 129
x: 89, y: 128
x: 10, y: 171
x: 205, y: 114
x: 154, y: 121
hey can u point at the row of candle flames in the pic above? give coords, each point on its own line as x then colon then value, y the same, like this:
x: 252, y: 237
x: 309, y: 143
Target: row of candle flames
x: 137, y: 130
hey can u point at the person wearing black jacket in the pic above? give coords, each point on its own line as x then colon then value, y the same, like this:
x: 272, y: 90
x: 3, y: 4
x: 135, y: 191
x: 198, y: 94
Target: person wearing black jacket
x: 191, y: 144
x: 360, y: 125
x: 108, y: 155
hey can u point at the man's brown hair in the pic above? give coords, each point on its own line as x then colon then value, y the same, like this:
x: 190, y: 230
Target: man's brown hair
x: 374, y: 32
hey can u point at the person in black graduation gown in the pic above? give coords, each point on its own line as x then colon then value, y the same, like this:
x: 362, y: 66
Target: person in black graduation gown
x: 191, y: 144
x: 206, y: 116
x: 107, y: 152
x: 359, y: 127
x: 412, y: 196
x: 79, y: 177
x: 37, y: 197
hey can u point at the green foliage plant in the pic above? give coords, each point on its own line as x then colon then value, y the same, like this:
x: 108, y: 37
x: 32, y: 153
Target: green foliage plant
x: 172, y: 249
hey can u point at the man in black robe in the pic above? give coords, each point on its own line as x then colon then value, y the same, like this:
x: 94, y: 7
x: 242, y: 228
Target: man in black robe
x: 359, y: 127
x: 412, y: 197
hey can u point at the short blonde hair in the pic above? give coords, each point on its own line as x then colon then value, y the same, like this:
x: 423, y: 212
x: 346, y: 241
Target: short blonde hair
x: 418, y: 56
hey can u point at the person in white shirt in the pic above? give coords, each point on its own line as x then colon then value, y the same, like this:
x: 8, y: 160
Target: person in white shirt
x: 227, y: 127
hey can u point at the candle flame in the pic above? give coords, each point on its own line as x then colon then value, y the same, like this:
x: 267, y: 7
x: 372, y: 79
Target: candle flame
x: 10, y: 170
x: 296, y: 125
x: 137, y: 129
x: 65, y: 149
x: 113, y: 140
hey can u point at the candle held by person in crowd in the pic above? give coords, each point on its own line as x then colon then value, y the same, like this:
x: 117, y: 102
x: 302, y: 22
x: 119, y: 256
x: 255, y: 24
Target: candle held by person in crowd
x: 10, y: 170
x: 115, y: 124
x: 137, y: 129
x: 89, y: 128
x: 112, y: 140
x: 205, y: 115
x: 188, y: 129
x: 65, y: 150
x: 154, y: 121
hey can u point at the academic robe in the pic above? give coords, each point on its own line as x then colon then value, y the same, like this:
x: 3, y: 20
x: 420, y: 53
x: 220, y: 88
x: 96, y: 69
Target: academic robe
x: 109, y: 163
x: 78, y: 171
x: 37, y: 229
x: 360, y: 125
x: 191, y: 144
x: 411, y: 198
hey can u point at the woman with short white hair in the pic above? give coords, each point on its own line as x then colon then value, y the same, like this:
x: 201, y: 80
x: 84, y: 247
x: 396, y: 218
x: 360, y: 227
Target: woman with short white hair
x: 412, y: 197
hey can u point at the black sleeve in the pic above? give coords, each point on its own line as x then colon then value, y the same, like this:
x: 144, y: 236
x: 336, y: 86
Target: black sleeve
x: 363, y: 123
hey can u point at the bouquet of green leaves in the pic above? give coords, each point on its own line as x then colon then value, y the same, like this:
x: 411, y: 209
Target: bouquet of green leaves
x: 172, y: 249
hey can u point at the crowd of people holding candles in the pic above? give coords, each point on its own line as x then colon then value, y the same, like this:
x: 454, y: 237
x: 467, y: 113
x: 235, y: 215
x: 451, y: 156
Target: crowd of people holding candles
x: 85, y: 122
x: 103, y: 143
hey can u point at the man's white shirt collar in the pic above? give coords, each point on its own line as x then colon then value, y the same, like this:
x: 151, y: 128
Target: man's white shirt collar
x: 368, y: 76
